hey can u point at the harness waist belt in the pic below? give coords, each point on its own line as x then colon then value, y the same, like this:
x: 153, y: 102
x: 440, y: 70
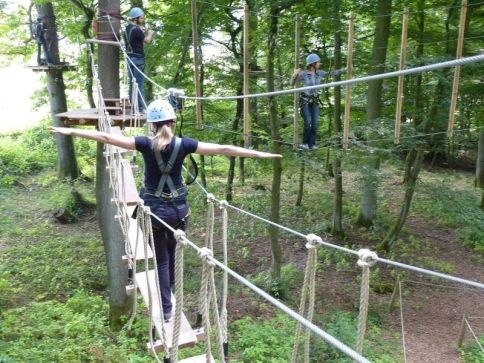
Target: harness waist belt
x: 177, y: 193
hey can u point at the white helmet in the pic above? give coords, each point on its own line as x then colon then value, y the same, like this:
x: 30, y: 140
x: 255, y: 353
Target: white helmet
x: 159, y: 111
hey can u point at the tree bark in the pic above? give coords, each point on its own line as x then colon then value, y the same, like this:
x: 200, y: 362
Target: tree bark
x: 337, y: 228
x: 119, y: 302
x: 369, y: 192
x: 369, y: 200
x: 66, y: 156
x: 414, y: 162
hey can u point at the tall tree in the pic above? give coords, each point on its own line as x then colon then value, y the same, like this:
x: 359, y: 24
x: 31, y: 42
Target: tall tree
x: 66, y: 156
x: 119, y: 303
x: 337, y: 228
x: 373, y: 111
x: 274, y: 12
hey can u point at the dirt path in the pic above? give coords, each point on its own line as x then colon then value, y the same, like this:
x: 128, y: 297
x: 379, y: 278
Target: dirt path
x: 432, y: 315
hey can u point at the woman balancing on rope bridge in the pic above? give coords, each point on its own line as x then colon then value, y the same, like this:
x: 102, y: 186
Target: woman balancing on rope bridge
x: 309, y: 100
x: 163, y: 190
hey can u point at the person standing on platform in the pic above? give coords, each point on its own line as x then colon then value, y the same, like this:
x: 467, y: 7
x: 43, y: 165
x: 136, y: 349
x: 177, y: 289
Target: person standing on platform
x: 164, y: 192
x: 38, y: 31
x: 309, y: 101
x: 135, y: 38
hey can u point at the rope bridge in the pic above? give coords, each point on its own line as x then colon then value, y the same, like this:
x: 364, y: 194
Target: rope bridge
x: 139, y: 246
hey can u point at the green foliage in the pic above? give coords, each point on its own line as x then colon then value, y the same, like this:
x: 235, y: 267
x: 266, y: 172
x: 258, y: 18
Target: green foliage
x: 76, y: 331
x: 454, y: 207
x: 280, y: 287
x: 472, y: 353
x: 28, y: 152
x: 264, y: 340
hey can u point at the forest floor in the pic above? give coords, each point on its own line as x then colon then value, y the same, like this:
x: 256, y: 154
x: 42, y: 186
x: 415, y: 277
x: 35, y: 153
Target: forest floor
x: 432, y: 308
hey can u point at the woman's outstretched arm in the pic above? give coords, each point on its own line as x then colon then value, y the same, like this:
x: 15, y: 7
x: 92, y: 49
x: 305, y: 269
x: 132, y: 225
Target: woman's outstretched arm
x: 205, y: 148
x: 116, y: 140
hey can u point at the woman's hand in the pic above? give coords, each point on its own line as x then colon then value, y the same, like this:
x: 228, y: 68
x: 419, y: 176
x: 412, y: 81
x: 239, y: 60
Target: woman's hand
x: 60, y: 130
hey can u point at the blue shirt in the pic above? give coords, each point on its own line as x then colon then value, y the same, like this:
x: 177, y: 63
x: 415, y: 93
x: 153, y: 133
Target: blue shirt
x: 152, y: 171
x: 312, y: 79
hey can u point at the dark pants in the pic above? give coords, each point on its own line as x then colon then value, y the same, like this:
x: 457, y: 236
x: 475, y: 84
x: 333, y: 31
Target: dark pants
x: 42, y: 43
x: 175, y: 214
x: 137, y: 74
x: 310, y: 115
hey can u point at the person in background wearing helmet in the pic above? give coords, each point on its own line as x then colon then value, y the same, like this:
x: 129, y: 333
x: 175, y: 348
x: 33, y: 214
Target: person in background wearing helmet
x: 135, y: 37
x: 38, y: 31
x: 309, y: 100
x: 164, y: 191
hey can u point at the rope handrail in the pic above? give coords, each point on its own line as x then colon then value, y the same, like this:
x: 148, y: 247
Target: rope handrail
x: 403, y: 72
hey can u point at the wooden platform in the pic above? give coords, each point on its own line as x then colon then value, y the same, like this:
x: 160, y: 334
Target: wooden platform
x: 197, y: 359
x: 127, y: 187
x: 53, y: 67
x: 138, y: 253
x: 188, y: 336
x: 90, y: 117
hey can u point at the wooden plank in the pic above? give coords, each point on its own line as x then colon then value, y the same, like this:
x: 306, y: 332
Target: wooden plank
x: 188, y: 336
x: 101, y: 41
x: 89, y: 117
x: 127, y: 186
x: 138, y: 253
x: 197, y: 359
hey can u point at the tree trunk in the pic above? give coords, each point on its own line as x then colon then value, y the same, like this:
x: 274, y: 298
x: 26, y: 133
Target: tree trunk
x: 300, y: 190
x: 369, y: 192
x: 66, y: 156
x: 119, y: 303
x: 369, y: 200
x: 480, y: 165
x: 414, y: 161
x: 337, y: 228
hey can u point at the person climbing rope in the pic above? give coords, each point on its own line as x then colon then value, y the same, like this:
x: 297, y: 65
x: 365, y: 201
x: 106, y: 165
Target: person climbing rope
x: 135, y: 36
x: 309, y: 101
x: 164, y: 191
x: 38, y: 31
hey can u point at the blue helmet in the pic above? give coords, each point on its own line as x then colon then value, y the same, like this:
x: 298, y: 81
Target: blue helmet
x: 135, y: 13
x: 159, y: 111
x: 312, y: 58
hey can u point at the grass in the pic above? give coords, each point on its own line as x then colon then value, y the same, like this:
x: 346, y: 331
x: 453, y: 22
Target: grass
x: 53, y: 277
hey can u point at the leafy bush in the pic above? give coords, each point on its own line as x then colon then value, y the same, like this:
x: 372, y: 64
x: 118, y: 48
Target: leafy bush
x: 264, y: 340
x: 472, y: 353
x: 76, y: 331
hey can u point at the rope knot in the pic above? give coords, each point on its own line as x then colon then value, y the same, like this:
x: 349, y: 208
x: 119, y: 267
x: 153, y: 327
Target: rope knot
x: 223, y: 204
x: 145, y: 209
x: 210, y: 197
x: 313, y: 241
x: 366, y: 257
x: 205, y: 254
x: 180, y: 237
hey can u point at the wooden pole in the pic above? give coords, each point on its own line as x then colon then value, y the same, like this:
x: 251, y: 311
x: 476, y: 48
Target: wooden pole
x: 349, y: 71
x: 396, y: 288
x: 198, y: 103
x: 246, y: 78
x: 403, y: 61
x: 455, y: 85
x: 297, y: 49
x: 462, y: 331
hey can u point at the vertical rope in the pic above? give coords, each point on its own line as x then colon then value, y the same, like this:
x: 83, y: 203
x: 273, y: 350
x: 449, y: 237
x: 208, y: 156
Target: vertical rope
x: 307, y: 291
x: 367, y: 259
x: 179, y: 256
x: 204, y: 303
x: 208, y: 242
x: 223, y: 311
x: 401, y: 321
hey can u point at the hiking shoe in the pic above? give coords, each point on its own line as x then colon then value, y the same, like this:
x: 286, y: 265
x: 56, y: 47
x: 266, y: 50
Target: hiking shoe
x: 167, y: 317
x: 314, y: 147
x: 305, y: 147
